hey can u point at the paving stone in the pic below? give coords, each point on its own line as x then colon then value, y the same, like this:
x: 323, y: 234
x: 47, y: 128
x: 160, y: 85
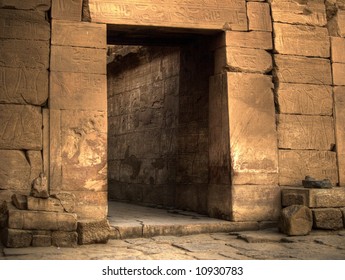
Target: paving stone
x: 64, y: 239
x: 259, y: 16
x: 261, y: 236
x: 294, y: 165
x: 296, y: 220
x: 252, y: 39
x: 15, y: 238
x: 328, y: 218
x: 231, y: 14
x: 41, y: 5
x: 306, y: 12
x: 338, y: 49
x: 301, y: 40
x: 20, y: 127
x: 29, y: 25
x: 67, y: 10
x: 41, y: 204
x: 305, y: 132
x: 304, y: 99
x: 79, y: 34
x: 90, y: 232
x: 338, y: 74
x: 303, y: 70
x: 14, y: 170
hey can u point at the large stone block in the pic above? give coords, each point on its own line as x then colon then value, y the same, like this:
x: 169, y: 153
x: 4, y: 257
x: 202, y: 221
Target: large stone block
x: 246, y: 60
x: 338, y: 74
x: 24, y: 53
x: 253, y: 39
x: 40, y: 220
x: 90, y: 232
x: 14, y: 238
x: 296, y: 220
x: 259, y: 16
x: 305, y: 132
x: 14, y: 170
x: 314, y: 198
x: 20, y: 127
x: 294, y: 165
x: 230, y: 14
x: 253, y: 136
x: 339, y: 110
x: 84, y: 150
x: 41, y: 204
x: 338, y: 49
x: 328, y: 218
x: 79, y: 34
x: 23, y: 85
x: 255, y: 203
x: 78, y: 91
x: 91, y: 205
x: 76, y: 59
x: 304, y: 99
x: 299, y: 12
x: 219, y: 201
x: 303, y: 70
x: 301, y: 40
x: 64, y: 239
x: 30, y: 25
x: 41, y: 5
x: 67, y: 10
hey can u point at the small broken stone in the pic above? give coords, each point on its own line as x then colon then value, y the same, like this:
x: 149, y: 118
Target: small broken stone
x: 310, y: 183
x: 20, y: 201
x: 40, y: 187
x: 296, y: 220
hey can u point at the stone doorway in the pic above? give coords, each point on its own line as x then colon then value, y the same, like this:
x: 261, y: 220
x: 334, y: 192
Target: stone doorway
x: 158, y: 117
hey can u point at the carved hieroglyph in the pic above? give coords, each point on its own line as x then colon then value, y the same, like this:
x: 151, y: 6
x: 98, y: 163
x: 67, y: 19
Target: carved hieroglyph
x: 201, y: 14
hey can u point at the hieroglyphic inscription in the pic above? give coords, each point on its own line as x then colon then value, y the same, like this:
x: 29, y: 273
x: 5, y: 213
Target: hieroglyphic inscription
x: 295, y: 165
x: 23, y: 85
x: 203, y: 14
x: 75, y: 59
x: 78, y: 91
x: 41, y: 5
x: 304, y: 70
x: 30, y: 25
x: 20, y: 127
x: 259, y: 16
x: 305, y: 99
x: 68, y: 10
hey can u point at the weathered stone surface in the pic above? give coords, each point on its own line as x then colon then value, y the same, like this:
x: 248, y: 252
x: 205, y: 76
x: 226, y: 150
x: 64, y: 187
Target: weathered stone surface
x: 328, y: 218
x: 294, y: 165
x: 78, y: 91
x: 79, y: 34
x: 304, y: 99
x: 305, y: 132
x: 303, y: 12
x: 20, y: 201
x: 191, y: 14
x: 54, y: 147
x: 67, y: 10
x: 259, y: 16
x: 255, y: 203
x: 76, y: 59
x: 296, y: 220
x: 338, y: 49
x: 343, y: 213
x: 312, y: 183
x: 301, y: 40
x: 248, y: 60
x: 20, y: 219
x: 304, y: 70
x: 64, y: 239
x: 14, y: 238
x: 24, y: 53
x: 219, y: 201
x: 67, y: 201
x: 91, y: 205
x: 90, y: 232
x: 253, y: 39
x: 253, y: 137
x: 83, y: 150
x: 338, y: 74
x: 341, y: 22
x: 339, y: 105
x: 36, y: 164
x: 41, y: 5
x: 20, y: 127
x: 40, y: 204
x: 41, y: 240
x: 30, y: 25
x: 40, y: 188
x: 314, y: 198
x: 23, y: 85
x: 14, y: 170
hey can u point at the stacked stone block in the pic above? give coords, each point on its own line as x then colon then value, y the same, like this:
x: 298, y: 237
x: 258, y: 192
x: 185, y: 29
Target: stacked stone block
x: 303, y: 92
x: 24, y: 44
x: 78, y: 109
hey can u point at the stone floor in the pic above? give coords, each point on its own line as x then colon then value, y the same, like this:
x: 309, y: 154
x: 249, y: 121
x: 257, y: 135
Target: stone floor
x: 207, y: 239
